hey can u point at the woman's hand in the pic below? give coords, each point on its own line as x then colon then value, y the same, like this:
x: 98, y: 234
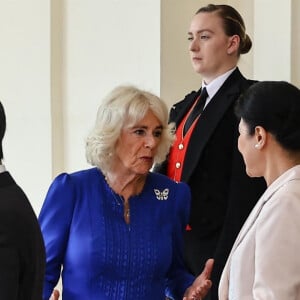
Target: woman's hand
x: 55, y: 295
x: 201, y: 284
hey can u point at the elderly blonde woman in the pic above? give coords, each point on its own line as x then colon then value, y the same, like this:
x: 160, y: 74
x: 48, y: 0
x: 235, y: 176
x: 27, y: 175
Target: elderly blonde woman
x: 116, y: 230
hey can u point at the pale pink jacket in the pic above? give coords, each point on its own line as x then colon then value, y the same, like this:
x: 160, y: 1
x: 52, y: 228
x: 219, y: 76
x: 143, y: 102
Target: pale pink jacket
x: 264, y: 263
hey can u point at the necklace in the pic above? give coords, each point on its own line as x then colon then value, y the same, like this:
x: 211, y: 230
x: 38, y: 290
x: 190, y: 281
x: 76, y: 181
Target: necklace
x: 120, y: 201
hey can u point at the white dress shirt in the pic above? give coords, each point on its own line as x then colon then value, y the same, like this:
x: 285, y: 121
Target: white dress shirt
x: 2, y: 168
x: 215, y: 85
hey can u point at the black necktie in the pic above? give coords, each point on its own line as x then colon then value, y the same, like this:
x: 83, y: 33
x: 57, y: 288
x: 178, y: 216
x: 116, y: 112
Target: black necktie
x: 197, y: 110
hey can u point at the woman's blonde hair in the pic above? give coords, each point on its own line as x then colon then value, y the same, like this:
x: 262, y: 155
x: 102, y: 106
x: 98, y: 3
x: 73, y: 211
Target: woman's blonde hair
x: 124, y: 106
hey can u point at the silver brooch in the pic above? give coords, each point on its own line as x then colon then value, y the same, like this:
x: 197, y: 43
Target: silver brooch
x: 161, y: 195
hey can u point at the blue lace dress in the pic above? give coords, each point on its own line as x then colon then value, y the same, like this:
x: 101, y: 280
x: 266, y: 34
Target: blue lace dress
x: 101, y: 256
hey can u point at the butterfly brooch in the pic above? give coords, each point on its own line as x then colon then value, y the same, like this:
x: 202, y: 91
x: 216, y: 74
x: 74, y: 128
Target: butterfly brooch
x: 161, y: 195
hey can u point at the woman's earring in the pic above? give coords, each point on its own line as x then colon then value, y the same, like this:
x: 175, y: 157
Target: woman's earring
x: 257, y: 146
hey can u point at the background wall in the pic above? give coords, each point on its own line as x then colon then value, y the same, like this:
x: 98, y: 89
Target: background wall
x: 58, y: 58
x: 25, y: 93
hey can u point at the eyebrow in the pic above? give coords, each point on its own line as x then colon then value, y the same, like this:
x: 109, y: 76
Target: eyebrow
x: 146, y: 127
x: 200, y: 31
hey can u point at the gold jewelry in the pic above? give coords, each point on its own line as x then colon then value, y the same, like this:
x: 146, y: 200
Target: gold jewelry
x: 121, y: 202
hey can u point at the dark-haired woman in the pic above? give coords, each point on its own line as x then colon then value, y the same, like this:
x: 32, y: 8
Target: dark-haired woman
x: 205, y: 153
x: 264, y: 263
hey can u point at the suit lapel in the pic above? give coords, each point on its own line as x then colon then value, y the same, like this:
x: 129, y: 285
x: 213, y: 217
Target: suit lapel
x: 209, y: 120
x: 6, y: 179
x: 179, y: 110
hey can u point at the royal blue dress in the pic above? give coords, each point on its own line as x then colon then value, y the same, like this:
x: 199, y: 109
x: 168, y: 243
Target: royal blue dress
x: 101, y: 256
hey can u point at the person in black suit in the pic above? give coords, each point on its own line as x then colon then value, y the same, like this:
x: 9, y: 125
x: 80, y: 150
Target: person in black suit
x: 22, y: 253
x: 205, y: 153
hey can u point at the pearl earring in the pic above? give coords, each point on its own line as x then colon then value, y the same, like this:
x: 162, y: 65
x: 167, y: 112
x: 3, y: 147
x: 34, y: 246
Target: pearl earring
x: 256, y: 146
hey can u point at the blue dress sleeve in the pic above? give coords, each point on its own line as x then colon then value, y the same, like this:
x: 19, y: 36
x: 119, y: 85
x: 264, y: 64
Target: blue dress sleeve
x: 55, y: 219
x: 179, y: 279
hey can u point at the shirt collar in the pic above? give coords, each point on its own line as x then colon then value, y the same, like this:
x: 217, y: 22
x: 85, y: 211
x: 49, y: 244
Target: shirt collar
x: 2, y: 168
x: 215, y: 85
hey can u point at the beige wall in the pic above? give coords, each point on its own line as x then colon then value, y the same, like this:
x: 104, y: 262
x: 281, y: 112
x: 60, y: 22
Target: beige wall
x: 25, y: 93
x: 295, y: 43
x: 58, y: 59
x: 272, y: 47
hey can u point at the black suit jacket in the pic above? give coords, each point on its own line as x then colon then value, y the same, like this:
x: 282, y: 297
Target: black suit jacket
x: 222, y: 193
x: 22, y: 253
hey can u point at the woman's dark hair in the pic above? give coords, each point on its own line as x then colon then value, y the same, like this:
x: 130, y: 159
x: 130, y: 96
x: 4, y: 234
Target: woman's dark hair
x: 233, y: 24
x: 274, y: 105
x: 2, y: 128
